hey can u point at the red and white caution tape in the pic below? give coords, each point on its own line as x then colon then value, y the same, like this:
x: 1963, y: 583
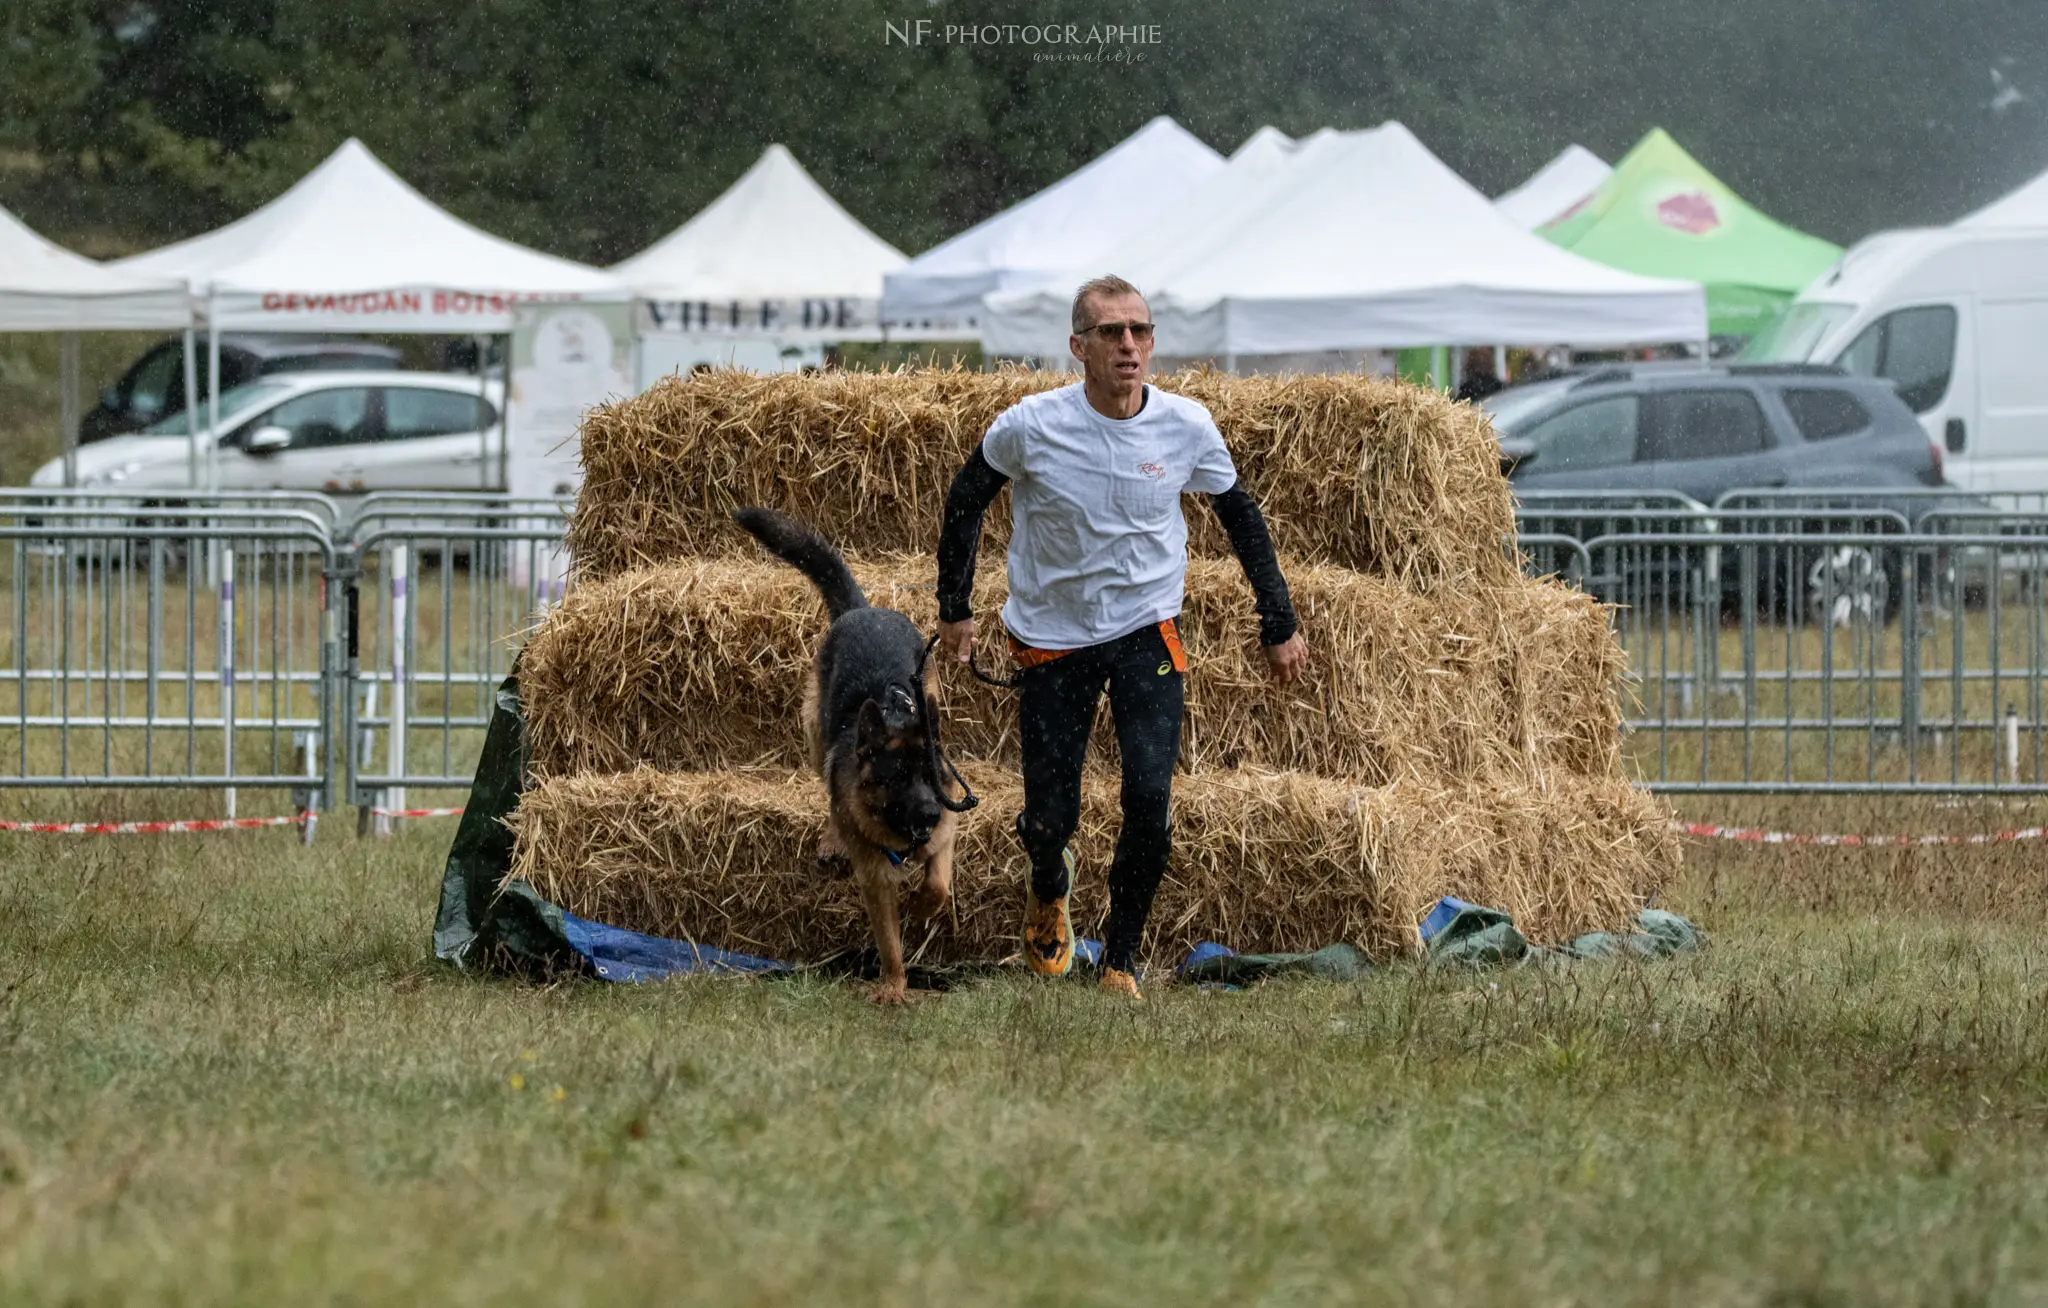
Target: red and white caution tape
x: 1700, y: 830
x: 152, y: 828
x: 201, y: 824
x: 1708, y: 831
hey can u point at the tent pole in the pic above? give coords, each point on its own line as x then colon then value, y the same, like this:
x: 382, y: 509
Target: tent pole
x: 213, y: 430
x: 483, y: 397
x: 67, y: 403
x: 191, y: 406
x: 505, y: 414
x: 212, y: 391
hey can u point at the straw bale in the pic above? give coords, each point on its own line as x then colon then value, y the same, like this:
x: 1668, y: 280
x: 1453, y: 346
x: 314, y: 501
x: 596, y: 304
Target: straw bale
x: 1393, y: 480
x: 701, y: 665
x: 1262, y: 861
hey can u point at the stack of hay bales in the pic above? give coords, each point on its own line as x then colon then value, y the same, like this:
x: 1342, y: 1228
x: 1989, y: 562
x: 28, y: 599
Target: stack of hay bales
x: 1457, y: 733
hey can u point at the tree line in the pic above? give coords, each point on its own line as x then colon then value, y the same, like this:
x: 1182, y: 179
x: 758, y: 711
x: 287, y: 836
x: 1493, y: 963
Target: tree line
x: 590, y: 127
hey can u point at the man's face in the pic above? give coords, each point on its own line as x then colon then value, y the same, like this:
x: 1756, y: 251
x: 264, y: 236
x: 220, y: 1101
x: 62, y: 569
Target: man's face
x: 1116, y: 359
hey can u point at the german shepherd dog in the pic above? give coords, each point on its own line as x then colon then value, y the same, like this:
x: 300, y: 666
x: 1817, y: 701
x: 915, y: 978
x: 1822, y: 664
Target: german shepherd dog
x: 866, y: 732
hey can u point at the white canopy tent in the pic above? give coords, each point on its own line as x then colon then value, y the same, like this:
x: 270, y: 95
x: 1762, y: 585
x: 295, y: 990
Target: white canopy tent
x: 1268, y: 142
x: 1035, y: 320
x: 1555, y: 188
x: 774, y: 254
x: 44, y: 287
x: 2025, y: 207
x: 1067, y: 225
x: 1367, y: 240
x: 351, y: 247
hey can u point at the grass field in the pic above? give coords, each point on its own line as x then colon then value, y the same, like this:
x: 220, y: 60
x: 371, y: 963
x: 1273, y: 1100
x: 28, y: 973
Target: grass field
x: 229, y: 1073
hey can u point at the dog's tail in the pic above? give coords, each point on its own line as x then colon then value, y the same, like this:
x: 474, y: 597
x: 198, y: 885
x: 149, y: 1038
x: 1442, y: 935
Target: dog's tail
x: 804, y: 549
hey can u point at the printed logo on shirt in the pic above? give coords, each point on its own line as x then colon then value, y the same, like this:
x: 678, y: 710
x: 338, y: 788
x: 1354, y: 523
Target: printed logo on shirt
x: 1153, y: 470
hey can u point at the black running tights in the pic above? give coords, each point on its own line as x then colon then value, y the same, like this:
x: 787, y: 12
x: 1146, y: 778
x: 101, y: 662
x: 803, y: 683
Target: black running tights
x: 1055, y: 711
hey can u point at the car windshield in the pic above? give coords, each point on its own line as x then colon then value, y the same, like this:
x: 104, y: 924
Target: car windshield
x: 1792, y: 338
x: 1510, y: 407
x: 232, y: 401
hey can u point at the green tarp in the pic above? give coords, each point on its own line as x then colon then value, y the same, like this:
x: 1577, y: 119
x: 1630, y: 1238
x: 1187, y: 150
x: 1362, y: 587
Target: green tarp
x: 477, y: 926
x: 1482, y: 937
x: 1662, y: 214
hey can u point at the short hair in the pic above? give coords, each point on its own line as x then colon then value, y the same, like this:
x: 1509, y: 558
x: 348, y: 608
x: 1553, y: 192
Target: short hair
x: 1109, y: 284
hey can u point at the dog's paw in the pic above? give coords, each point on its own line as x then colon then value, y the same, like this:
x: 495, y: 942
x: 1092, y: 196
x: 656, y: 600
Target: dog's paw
x: 927, y: 902
x: 890, y: 993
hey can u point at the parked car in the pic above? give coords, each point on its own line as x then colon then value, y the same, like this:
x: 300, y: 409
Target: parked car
x: 153, y: 388
x: 1701, y: 431
x: 332, y: 432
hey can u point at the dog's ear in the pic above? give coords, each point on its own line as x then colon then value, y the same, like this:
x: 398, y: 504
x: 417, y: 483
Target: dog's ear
x: 872, y: 729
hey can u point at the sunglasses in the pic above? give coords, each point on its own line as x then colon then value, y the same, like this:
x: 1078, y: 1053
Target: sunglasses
x: 1114, y: 331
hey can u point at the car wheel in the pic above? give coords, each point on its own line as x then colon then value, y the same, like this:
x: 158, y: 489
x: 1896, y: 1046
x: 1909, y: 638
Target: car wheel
x: 1848, y: 586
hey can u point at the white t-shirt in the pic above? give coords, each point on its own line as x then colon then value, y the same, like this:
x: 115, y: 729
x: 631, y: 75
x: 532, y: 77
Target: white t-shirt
x: 1098, y: 547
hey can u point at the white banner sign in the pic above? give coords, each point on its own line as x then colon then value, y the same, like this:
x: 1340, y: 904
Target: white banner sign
x: 829, y: 320
x: 566, y: 359
x: 410, y: 309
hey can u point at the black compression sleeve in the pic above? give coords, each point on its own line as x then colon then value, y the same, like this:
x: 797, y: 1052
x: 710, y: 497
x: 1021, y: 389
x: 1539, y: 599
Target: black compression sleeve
x: 1253, y: 545
x: 973, y: 490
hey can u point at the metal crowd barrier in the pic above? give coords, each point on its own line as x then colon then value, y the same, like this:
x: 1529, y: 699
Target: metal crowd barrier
x: 351, y: 655
x: 439, y: 616
x: 1765, y: 661
x: 147, y: 648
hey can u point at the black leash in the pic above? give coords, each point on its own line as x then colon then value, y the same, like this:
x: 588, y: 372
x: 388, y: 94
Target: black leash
x: 942, y: 767
x: 1000, y: 683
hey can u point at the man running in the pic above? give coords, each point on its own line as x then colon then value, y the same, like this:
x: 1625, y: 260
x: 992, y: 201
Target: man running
x: 1098, y: 565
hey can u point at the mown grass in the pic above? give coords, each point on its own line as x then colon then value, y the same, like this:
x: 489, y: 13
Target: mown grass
x: 229, y: 1074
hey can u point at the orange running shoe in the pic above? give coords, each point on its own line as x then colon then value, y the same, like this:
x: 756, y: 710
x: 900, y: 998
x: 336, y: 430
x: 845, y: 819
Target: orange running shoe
x: 1119, y: 982
x: 1048, y: 932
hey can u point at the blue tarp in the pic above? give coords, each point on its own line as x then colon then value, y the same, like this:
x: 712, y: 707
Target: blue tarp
x: 616, y: 954
x: 1452, y: 930
x: 620, y: 955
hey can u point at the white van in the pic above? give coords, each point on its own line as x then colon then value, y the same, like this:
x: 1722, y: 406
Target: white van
x: 1957, y: 318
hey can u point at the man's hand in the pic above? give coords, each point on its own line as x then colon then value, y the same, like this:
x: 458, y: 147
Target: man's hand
x: 958, y: 638
x: 1286, y: 661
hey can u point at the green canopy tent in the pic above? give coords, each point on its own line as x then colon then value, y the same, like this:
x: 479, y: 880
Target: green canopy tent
x: 1660, y: 213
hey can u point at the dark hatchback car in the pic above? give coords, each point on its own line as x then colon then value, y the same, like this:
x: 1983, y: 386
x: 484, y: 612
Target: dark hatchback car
x: 153, y: 388
x: 1705, y: 431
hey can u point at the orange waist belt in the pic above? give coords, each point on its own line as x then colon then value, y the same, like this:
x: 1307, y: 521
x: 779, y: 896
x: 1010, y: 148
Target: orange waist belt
x: 1030, y: 656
